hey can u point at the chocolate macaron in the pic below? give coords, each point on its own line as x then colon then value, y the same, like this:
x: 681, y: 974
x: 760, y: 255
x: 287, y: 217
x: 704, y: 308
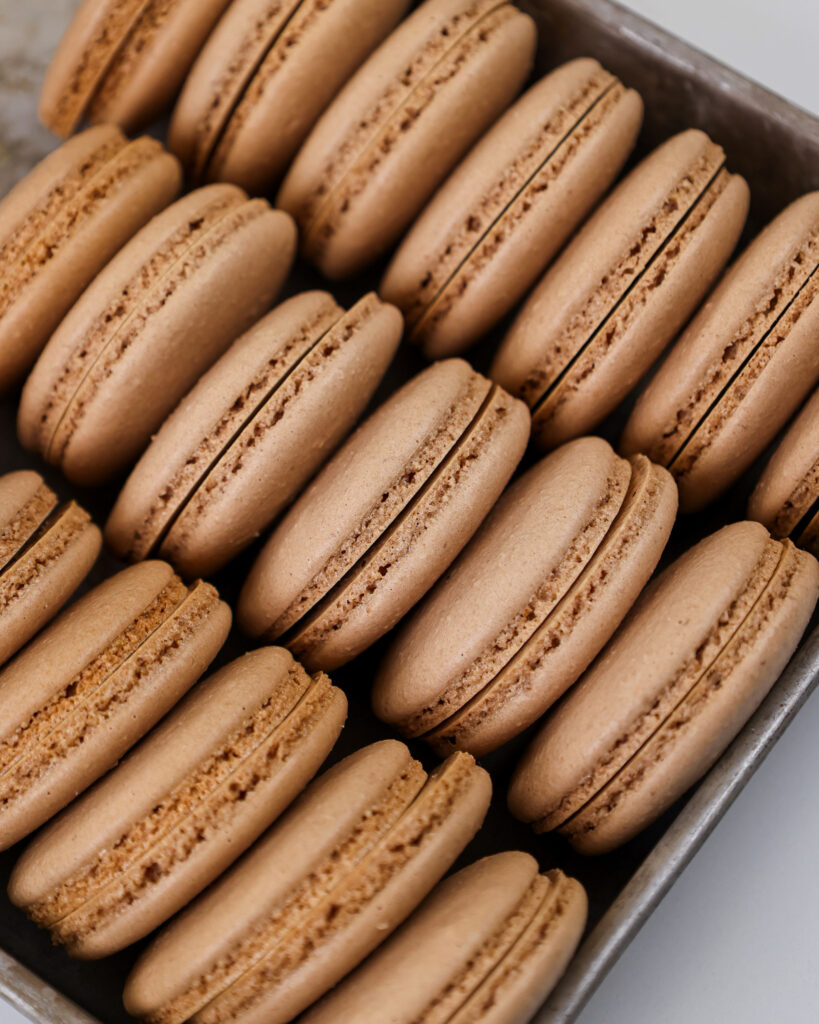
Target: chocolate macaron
x: 386, y: 516
x: 696, y: 656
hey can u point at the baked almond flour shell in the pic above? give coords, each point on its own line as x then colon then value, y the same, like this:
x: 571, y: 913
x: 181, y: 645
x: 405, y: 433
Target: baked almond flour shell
x: 46, y: 551
x: 496, y: 223
x: 530, y: 602
x: 182, y: 807
x: 694, y: 659
x: 91, y: 684
x: 487, y: 945
x: 386, y: 516
x: 743, y: 366
x: 357, y: 853
x: 623, y: 287
x: 251, y: 433
x: 399, y: 126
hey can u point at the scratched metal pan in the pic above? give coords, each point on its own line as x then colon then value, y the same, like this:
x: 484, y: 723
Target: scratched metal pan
x: 776, y: 147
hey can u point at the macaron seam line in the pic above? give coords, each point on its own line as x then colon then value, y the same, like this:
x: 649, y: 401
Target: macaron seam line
x: 805, y: 528
x: 24, y: 524
x: 793, y: 510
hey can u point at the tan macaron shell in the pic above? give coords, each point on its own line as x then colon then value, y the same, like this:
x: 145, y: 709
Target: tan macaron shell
x: 182, y: 807
x: 743, y: 366
x: 507, y: 209
x: 400, y: 125
x: 94, y: 682
x: 160, y: 313
x: 623, y: 287
x: 348, y: 863
x: 698, y: 653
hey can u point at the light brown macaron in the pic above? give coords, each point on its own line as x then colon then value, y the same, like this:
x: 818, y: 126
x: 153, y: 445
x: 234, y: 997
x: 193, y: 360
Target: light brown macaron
x: 503, y: 214
x: 386, y: 516
x: 744, y: 365
x: 63, y: 222
x: 182, y: 807
x: 253, y: 431
x: 346, y: 865
x: 401, y: 124
x: 92, y: 683
x: 487, y: 945
x: 151, y: 323
x: 623, y: 287
x: 696, y: 656
x: 123, y: 61
x: 530, y: 602
x: 263, y: 79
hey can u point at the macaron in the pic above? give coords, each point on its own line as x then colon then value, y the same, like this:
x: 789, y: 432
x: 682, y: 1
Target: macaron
x: 182, y: 807
x: 263, y: 79
x: 252, y: 432
x: 487, y: 945
x: 531, y: 601
x: 386, y: 516
x: 503, y: 214
x: 696, y: 656
x: 63, y: 222
x: 742, y: 368
x: 123, y: 61
x: 92, y: 683
x: 46, y: 551
x: 348, y: 863
x: 785, y: 499
x: 164, y: 309
x: 401, y: 124
x: 623, y: 287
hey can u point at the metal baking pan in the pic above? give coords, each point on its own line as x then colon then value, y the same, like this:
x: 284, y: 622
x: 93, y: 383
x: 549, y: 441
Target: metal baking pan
x: 776, y: 146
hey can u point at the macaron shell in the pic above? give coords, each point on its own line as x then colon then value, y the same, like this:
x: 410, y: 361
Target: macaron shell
x: 25, y: 502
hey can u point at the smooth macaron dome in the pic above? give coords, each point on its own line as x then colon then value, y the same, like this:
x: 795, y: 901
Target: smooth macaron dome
x: 502, y: 215
x: 94, y: 682
x: 695, y: 657
x: 400, y: 125
x: 255, y: 92
x: 623, y: 287
x: 386, y: 516
x: 743, y: 366
x: 329, y: 882
x: 182, y: 807
x: 253, y: 431
x: 46, y: 550
x: 160, y: 313
x: 530, y: 602
x: 61, y: 224
x: 487, y: 945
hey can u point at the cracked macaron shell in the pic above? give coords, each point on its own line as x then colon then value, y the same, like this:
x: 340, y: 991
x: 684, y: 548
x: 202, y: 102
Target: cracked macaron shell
x: 353, y: 857
x: 623, y: 287
x: 696, y: 656
x: 63, y: 222
x: 530, y: 602
x: 182, y: 807
x: 92, y: 683
x: 401, y: 124
x: 498, y: 220
x: 252, y: 432
x: 743, y: 366
x: 165, y: 308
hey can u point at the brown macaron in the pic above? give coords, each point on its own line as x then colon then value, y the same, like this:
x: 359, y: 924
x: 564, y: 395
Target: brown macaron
x: 151, y: 323
x: 63, y: 222
x: 252, y: 432
x: 742, y: 368
x: 696, y: 656
x: 92, y: 683
x: 400, y: 125
x: 501, y: 216
x: 530, y: 602
x: 182, y: 807
x: 386, y: 516
x: 623, y: 287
